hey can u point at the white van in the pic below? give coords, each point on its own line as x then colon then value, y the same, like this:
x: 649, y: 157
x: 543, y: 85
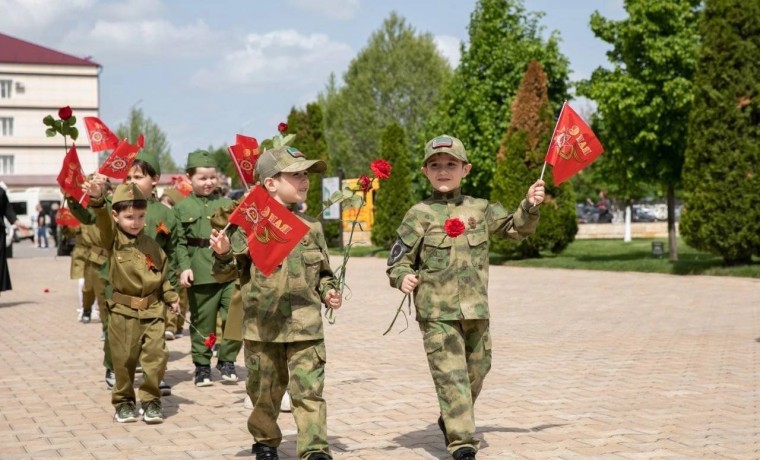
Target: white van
x: 24, y: 204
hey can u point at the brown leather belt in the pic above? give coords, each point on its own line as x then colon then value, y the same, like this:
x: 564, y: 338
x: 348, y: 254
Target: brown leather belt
x: 136, y: 303
x: 199, y: 242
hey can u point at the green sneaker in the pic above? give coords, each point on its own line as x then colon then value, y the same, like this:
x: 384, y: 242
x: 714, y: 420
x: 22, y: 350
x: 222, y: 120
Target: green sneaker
x: 153, y: 414
x: 125, y: 413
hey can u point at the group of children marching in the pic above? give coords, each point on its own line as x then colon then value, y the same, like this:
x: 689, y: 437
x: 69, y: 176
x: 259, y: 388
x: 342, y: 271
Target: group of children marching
x: 140, y: 256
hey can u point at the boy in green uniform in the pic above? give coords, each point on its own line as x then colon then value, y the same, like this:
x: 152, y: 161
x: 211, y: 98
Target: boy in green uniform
x: 139, y: 276
x: 449, y: 278
x: 208, y: 295
x: 283, y: 336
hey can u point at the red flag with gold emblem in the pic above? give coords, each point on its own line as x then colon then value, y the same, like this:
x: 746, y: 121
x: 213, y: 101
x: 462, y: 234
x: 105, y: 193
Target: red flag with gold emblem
x: 101, y: 138
x: 573, y: 147
x: 72, y: 176
x: 272, y: 229
x: 244, y: 154
x: 118, y: 163
x: 65, y: 218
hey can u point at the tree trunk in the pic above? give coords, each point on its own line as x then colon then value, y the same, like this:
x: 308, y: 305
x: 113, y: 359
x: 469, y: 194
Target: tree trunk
x: 672, y: 242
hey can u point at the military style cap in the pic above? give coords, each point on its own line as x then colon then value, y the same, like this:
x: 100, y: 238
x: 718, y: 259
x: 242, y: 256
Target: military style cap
x: 200, y: 159
x: 174, y: 194
x: 127, y: 192
x: 445, y: 144
x: 286, y: 159
x: 150, y: 159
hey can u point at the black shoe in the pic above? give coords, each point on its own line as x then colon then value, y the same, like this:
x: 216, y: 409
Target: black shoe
x: 86, y: 317
x: 465, y: 453
x: 110, y: 379
x: 319, y: 456
x: 227, y: 368
x: 166, y: 389
x: 442, y: 426
x: 264, y: 452
x: 203, y: 375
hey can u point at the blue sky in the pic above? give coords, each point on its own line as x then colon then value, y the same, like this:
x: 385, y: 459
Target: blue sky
x: 174, y: 59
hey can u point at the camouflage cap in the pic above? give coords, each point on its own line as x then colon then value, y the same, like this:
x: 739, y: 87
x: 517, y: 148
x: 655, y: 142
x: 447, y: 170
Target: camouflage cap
x: 151, y: 160
x: 200, y: 159
x: 127, y: 192
x: 286, y: 159
x: 445, y: 144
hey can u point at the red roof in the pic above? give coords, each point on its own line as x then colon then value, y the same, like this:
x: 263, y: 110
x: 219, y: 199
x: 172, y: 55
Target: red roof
x: 13, y: 50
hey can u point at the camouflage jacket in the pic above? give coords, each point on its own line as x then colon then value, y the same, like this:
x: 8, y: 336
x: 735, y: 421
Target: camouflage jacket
x: 286, y: 306
x: 194, y: 217
x: 453, y: 272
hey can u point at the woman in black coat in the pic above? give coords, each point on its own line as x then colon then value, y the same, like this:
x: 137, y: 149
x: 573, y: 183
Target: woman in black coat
x: 6, y: 211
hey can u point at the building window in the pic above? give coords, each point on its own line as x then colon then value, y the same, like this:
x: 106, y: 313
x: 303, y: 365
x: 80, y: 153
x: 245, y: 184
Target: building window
x: 5, y: 89
x: 6, y: 164
x: 6, y: 126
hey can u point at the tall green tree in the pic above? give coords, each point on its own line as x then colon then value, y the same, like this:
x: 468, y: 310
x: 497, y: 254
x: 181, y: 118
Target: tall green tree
x: 155, y: 139
x: 519, y: 163
x: 308, y: 126
x: 645, y: 100
x: 476, y: 105
x: 722, y: 203
x: 394, y: 197
x: 396, y: 78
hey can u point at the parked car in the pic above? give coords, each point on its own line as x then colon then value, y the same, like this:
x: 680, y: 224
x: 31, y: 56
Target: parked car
x: 642, y: 214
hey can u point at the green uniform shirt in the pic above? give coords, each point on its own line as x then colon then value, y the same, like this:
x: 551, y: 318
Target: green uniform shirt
x: 193, y: 216
x: 286, y: 306
x: 453, y: 272
x: 138, y: 268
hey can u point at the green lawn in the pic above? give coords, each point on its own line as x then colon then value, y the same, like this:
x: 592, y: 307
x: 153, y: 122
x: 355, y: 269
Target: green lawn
x: 616, y: 255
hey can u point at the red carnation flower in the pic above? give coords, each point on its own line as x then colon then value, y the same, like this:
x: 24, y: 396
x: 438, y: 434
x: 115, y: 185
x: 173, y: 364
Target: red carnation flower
x: 210, y: 341
x: 454, y: 227
x: 64, y: 113
x: 282, y: 128
x: 381, y: 169
x: 365, y: 183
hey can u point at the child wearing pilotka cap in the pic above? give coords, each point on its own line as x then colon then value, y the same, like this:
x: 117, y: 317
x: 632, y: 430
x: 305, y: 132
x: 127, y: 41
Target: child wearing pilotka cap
x: 282, y: 331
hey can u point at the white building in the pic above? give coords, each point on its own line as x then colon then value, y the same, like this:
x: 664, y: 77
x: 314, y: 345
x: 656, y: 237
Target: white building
x: 34, y: 82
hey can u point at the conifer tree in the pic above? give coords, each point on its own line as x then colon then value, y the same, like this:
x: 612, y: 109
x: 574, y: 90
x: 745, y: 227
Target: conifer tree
x: 722, y: 204
x: 519, y: 163
x: 394, y: 197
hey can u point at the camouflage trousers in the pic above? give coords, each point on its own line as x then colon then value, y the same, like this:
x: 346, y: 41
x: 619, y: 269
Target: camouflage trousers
x: 134, y: 340
x: 459, y: 357
x: 299, y: 367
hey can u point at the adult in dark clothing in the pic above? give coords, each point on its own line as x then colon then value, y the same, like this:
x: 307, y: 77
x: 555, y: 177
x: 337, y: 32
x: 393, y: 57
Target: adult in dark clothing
x: 7, y: 212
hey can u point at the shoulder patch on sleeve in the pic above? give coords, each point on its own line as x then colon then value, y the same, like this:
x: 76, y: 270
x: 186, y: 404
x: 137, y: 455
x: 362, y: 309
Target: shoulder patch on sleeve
x: 398, y: 250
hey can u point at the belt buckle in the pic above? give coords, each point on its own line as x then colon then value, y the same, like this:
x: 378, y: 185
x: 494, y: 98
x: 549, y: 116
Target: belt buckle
x: 138, y: 303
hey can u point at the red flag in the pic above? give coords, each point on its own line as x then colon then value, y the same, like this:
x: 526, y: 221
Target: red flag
x: 182, y: 183
x: 573, y: 147
x: 244, y: 154
x: 72, y: 177
x: 101, y: 138
x: 271, y: 228
x: 64, y: 217
x: 117, y: 165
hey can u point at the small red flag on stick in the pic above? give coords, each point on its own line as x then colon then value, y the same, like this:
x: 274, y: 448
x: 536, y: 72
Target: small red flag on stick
x: 573, y: 146
x: 101, y: 138
x: 271, y: 228
x: 72, y: 177
x: 65, y: 218
x: 118, y: 163
x: 244, y: 154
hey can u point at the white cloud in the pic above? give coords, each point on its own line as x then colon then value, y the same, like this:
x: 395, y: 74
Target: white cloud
x: 281, y: 59
x: 333, y: 9
x: 32, y: 17
x: 449, y: 47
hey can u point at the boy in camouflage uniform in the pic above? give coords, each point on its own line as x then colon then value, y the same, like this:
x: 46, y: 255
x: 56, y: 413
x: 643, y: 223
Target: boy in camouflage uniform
x: 449, y: 278
x: 283, y: 338
x: 141, y: 290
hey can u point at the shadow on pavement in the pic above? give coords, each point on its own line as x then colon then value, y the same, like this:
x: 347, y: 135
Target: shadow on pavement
x: 13, y: 304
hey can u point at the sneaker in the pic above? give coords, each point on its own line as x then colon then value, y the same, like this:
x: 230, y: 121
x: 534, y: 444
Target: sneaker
x: 285, y: 403
x: 247, y: 403
x: 443, y: 430
x: 169, y: 335
x: 465, y: 453
x: 153, y: 414
x: 227, y: 369
x: 110, y: 379
x: 178, y: 334
x: 138, y: 370
x: 264, y: 452
x: 86, y: 317
x: 125, y: 413
x: 166, y: 389
x: 203, y: 376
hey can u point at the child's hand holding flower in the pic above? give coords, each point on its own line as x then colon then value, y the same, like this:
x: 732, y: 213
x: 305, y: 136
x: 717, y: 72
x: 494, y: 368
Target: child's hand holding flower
x: 174, y: 307
x: 333, y: 299
x: 409, y: 283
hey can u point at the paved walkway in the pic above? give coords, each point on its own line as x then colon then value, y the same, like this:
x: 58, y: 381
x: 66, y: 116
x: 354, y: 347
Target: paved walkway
x: 586, y: 365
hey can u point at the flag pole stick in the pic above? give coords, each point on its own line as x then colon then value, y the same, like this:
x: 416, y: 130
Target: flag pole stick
x: 237, y: 167
x: 554, y: 133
